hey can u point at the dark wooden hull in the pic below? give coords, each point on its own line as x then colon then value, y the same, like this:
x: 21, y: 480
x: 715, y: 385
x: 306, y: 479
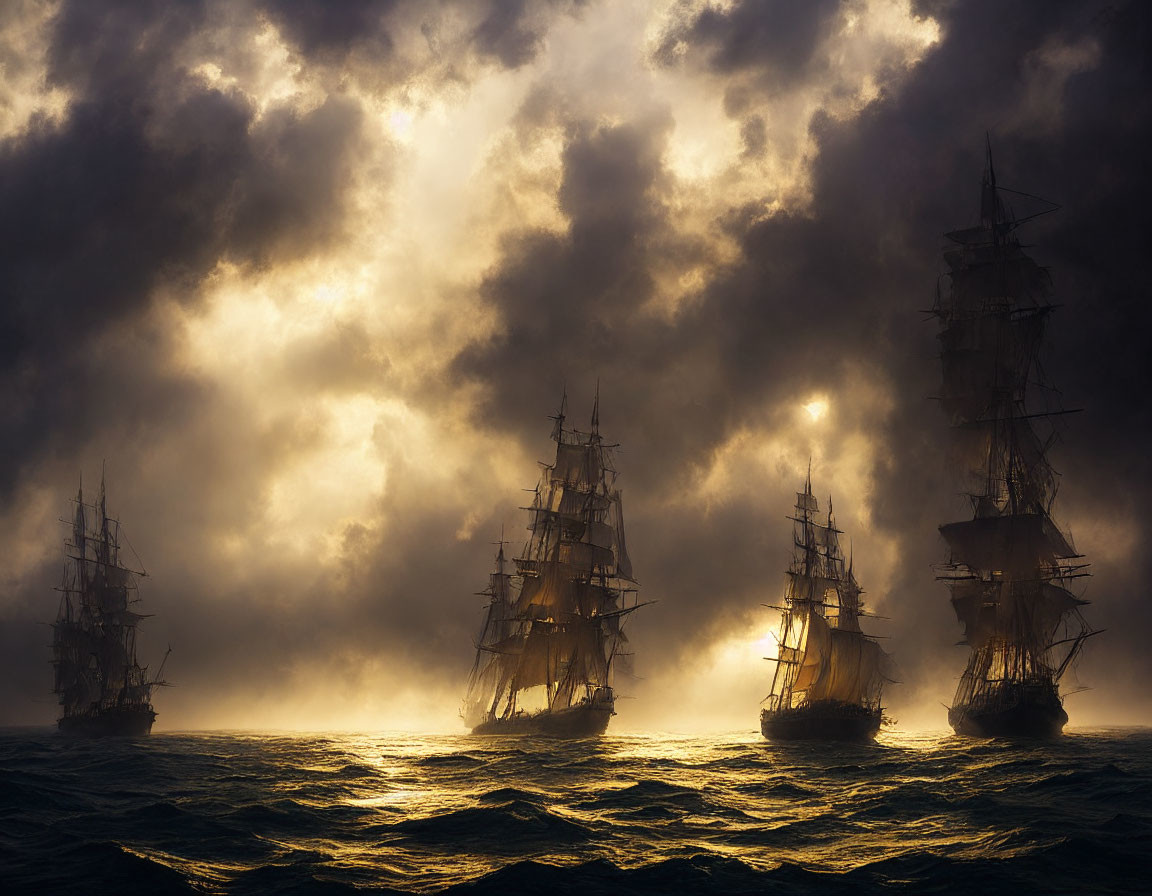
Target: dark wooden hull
x: 584, y: 720
x: 821, y: 721
x: 1029, y: 715
x: 130, y: 721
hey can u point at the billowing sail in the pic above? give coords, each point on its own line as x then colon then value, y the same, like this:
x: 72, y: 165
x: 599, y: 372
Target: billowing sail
x: 1010, y: 566
x: 555, y: 624
x: 853, y: 669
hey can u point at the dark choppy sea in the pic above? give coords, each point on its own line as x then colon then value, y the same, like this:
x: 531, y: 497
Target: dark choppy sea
x: 332, y: 814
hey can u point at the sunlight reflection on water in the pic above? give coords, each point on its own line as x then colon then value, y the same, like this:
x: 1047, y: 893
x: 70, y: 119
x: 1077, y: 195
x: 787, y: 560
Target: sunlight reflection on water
x: 419, y: 813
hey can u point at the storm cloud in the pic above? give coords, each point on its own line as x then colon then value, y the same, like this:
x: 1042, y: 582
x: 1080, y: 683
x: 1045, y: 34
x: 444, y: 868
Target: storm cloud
x: 310, y: 278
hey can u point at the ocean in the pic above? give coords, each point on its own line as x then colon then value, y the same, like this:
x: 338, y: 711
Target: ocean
x: 240, y: 813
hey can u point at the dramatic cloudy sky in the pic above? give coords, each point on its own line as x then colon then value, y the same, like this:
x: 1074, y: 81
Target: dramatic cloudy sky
x: 309, y: 277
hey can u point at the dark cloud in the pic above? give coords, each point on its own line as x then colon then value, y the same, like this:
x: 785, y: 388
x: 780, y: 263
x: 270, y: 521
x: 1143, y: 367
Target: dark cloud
x: 150, y: 182
x: 331, y: 30
x: 152, y: 178
x: 508, y: 32
x: 121, y: 47
x: 755, y: 136
x: 504, y: 35
x: 776, y: 40
x: 567, y: 300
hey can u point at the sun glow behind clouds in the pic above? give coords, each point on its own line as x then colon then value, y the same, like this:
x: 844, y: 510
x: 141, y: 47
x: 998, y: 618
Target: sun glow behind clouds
x: 816, y: 409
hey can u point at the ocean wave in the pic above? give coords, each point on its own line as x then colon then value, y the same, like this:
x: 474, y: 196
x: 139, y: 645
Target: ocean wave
x: 501, y: 829
x: 228, y: 814
x: 96, y: 868
x: 510, y: 794
x: 698, y: 874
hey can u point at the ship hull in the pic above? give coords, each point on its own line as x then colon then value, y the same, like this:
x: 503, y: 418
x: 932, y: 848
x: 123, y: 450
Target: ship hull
x: 821, y: 721
x: 1027, y: 715
x: 577, y: 721
x: 124, y: 722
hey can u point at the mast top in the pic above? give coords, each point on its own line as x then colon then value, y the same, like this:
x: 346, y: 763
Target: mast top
x: 558, y: 429
x: 991, y: 211
x: 596, y: 410
x: 988, y: 158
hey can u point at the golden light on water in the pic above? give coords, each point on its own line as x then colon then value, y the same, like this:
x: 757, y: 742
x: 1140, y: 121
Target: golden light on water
x: 427, y: 799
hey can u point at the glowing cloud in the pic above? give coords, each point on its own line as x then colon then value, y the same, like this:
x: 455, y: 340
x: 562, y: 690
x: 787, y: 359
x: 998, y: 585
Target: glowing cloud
x: 816, y: 409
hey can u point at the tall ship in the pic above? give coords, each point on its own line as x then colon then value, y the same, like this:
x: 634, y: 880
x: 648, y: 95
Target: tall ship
x: 553, y: 629
x: 829, y: 674
x: 102, y: 688
x: 1010, y: 568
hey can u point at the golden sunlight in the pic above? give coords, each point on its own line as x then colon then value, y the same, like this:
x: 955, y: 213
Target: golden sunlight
x: 817, y: 408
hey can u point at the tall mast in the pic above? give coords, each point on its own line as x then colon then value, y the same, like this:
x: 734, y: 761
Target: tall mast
x: 105, y: 546
x: 596, y: 412
x: 989, y: 202
x: 558, y: 429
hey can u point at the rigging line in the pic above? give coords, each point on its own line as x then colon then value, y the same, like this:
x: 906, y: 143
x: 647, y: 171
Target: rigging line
x: 132, y: 549
x: 1054, y: 205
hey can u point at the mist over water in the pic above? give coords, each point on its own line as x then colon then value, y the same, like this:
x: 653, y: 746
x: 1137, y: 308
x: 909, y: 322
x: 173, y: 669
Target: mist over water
x: 341, y: 813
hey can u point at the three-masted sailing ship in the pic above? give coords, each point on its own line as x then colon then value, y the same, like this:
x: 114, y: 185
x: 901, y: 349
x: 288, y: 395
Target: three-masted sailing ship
x: 553, y: 629
x: 829, y: 674
x: 1010, y: 567
x: 102, y: 688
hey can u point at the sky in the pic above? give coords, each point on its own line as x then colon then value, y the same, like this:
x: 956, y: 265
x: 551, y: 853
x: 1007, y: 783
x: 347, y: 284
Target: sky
x: 307, y: 279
